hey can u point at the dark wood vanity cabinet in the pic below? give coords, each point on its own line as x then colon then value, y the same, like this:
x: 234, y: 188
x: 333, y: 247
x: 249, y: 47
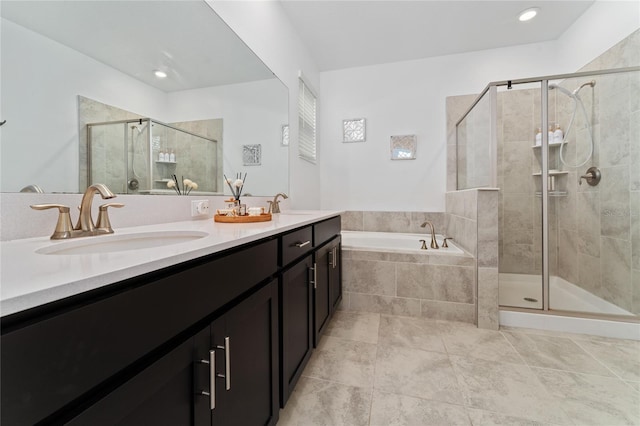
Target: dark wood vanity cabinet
x: 327, y: 286
x: 237, y: 326
x: 236, y: 364
x: 310, y: 288
x: 296, y: 295
x: 59, y: 360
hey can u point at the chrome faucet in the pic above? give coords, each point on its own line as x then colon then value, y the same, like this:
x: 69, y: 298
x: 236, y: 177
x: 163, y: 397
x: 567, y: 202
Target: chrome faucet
x: 274, y: 206
x: 434, y: 243
x: 85, y: 226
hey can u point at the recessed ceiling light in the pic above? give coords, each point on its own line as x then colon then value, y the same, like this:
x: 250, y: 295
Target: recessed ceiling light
x: 160, y: 74
x: 528, y: 14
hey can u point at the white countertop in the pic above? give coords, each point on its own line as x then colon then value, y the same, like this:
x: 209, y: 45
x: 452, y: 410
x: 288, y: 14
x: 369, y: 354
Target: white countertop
x: 29, y: 279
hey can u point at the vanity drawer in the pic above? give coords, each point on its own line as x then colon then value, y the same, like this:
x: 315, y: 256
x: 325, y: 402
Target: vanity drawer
x: 295, y: 244
x: 326, y: 230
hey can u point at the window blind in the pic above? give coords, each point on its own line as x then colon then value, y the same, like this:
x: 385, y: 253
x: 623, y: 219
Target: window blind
x: 306, y: 123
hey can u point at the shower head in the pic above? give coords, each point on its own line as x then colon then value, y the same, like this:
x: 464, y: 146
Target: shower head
x: 138, y: 127
x: 575, y: 92
x: 588, y: 83
x: 562, y: 89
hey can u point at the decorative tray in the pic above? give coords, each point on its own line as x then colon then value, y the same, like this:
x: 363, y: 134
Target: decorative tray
x: 264, y: 217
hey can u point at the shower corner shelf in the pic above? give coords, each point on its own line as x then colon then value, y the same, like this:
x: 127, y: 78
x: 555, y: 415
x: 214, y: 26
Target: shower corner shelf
x: 166, y: 162
x: 553, y: 194
x: 551, y: 145
x: 552, y: 173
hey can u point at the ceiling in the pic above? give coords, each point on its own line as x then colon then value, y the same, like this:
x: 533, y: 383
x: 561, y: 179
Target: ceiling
x: 186, y: 39
x: 353, y: 33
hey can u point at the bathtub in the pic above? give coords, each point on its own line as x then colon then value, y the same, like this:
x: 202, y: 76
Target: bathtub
x: 396, y: 242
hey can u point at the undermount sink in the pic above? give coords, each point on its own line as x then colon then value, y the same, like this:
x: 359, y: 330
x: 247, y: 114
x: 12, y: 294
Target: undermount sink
x: 124, y: 242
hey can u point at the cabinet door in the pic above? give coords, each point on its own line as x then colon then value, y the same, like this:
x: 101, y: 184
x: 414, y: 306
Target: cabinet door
x: 244, y: 342
x: 160, y: 394
x: 321, y: 301
x: 296, y: 324
x: 335, y: 273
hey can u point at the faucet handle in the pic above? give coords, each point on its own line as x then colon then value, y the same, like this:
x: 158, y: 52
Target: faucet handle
x: 63, y: 226
x: 444, y: 242
x: 104, y: 225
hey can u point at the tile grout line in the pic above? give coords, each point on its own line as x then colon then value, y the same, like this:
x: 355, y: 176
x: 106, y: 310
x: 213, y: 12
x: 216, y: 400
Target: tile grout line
x: 615, y: 375
x: 375, y: 365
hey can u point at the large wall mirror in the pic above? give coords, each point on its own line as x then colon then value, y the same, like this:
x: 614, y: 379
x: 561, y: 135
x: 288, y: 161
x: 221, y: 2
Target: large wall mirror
x: 83, y: 104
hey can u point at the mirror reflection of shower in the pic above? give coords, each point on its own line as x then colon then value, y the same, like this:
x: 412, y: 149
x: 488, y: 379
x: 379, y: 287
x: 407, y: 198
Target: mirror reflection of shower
x: 128, y: 155
x: 139, y: 158
x: 577, y: 101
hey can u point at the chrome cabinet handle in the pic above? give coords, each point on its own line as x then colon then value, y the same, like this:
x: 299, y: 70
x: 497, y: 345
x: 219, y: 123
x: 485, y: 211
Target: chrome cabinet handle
x: 227, y: 362
x: 315, y: 276
x: 332, y: 256
x: 303, y: 244
x: 335, y: 257
x: 212, y: 379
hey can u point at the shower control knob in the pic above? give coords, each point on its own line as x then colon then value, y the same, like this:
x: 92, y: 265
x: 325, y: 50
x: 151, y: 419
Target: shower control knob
x: 592, y: 176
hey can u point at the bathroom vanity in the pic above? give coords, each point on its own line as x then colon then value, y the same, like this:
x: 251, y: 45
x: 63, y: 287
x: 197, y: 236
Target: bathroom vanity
x: 211, y: 331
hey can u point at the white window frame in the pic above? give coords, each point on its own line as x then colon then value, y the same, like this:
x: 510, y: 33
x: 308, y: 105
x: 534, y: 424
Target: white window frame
x: 307, y: 120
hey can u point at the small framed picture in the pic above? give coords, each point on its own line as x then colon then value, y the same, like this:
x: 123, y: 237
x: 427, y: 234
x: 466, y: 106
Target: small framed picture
x: 403, y: 147
x: 251, y: 155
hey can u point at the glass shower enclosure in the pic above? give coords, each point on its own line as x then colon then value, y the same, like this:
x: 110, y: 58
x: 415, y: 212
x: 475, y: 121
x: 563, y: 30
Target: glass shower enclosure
x: 142, y: 156
x: 564, y: 152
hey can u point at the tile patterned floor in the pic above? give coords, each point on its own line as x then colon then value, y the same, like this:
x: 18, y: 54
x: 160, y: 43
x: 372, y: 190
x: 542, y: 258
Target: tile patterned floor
x: 373, y: 369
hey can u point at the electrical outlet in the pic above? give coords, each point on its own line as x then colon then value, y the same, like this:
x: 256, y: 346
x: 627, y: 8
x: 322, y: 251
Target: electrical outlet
x: 199, y: 208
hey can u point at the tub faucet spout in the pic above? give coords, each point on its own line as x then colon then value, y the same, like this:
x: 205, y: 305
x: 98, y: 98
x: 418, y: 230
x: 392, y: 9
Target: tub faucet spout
x: 434, y: 243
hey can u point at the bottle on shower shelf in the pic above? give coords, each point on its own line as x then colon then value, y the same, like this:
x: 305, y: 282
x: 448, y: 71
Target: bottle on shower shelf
x: 558, y: 135
x: 550, y: 136
x: 172, y: 157
x: 161, y: 156
x: 538, y: 138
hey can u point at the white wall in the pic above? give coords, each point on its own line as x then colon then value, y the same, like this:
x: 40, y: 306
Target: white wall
x: 265, y: 28
x: 404, y: 98
x: 409, y: 98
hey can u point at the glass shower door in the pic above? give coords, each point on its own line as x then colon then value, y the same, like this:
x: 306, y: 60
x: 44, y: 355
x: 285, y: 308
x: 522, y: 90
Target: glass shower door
x: 598, y: 236
x: 519, y: 171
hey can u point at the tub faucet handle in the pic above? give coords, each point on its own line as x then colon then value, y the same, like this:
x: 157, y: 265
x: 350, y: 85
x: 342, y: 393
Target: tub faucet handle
x: 444, y: 242
x: 424, y: 245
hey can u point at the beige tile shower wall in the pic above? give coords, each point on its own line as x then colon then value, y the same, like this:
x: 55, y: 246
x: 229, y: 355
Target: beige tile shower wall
x: 90, y: 111
x: 472, y: 220
x: 599, y: 230
x: 203, y: 162
x: 405, y: 222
